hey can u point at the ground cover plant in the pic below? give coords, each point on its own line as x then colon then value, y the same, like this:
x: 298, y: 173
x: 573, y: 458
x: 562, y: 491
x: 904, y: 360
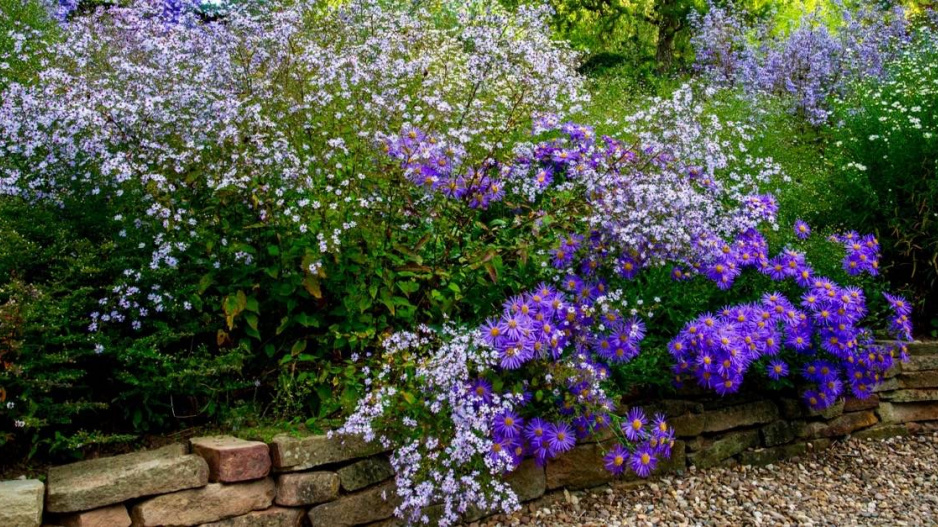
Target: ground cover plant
x: 411, y: 222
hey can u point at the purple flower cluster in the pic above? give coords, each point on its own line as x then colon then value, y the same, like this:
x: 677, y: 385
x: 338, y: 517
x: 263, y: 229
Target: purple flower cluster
x: 862, y: 253
x: 823, y: 326
x: 810, y: 63
x: 651, y: 444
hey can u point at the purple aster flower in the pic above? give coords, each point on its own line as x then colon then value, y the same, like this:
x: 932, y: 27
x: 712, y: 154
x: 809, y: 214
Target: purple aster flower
x: 643, y: 461
x: 802, y: 229
x: 615, y: 460
x: 634, y: 424
x: 899, y: 305
x: 560, y: 438
x: 777, y: 369
x: 508, y: 424
x: 482, y: 389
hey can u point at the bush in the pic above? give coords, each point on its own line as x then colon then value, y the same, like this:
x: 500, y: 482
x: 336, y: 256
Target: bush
x: 887, y: 135
x: 226, y: 175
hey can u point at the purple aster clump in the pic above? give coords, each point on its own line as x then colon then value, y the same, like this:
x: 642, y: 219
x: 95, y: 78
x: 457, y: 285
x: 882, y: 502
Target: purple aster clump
x: 861, y: 253
x: 717, y: 350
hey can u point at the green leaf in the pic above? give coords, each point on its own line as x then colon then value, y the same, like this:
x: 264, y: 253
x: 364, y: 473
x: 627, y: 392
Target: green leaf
x: 298, y: 347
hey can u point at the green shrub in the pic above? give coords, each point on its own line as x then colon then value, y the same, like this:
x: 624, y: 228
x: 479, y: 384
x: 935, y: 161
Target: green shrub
x: 887, y: 140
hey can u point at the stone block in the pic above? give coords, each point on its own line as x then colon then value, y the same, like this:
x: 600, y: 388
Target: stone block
x: 887, y: 385
x: 841, y: 426
x: 777, y: 433
x: 529, y: 481
x: 881, y: 431
x: 367, y: 506
x: 113, y: 516
x: 580, y: 468
x: 106, y: 481
x: 912, y: 396
x: 673, y: 407
x: 214, y: 502
x: 724, y: 448
x: 791, y: 408
x: 919, y: 379
x: 747, y: 414
x: 923, y: 348
x: 765, y: 456
x: 21, y: 503
x: 365, y: 473
x: 904, y: 413
x: 852, y: 404
x: 291, y: 454
x: 307, y: 488
x: 832, y: 411
x: 920, y: 363
x: 232, y: 460
x: 688, y: 425
x: 272, y: 517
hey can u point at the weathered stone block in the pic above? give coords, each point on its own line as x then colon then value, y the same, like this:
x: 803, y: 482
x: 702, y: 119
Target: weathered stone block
x: 370, y: 505
x: 307, y: 488
x: 777, y: 433
x: 912, y: 396
x: 904, y: 413
x: 852, y: 404
x: 791, y: 408
x: 579, y: 468
x: 291, y: 454
x: 272, y: 517
x: 832, y: 411
x: 920, y: 363
x: 887, y: 385
x: 216, y: 501
x: 882, y: 431
x: 529, y: 481
x: 758, y: 412
x: 840, y: 426
x: 231, y: 460
x: 21, y: 503
x: 766, y: 456
x: 113, y: 516
x: 688, y: 425
x: 673, y: 407
x: 923, y: 348
x: 365, y: 473
x: 919, y: 379
x: 724, y: 448
x: 105, y: 481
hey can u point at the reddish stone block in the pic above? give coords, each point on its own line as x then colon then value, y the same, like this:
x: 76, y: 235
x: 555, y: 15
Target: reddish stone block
x: 113, y: 516
x: 231, y: 460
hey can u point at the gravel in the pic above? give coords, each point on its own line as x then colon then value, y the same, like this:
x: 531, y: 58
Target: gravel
x: 888, y: 482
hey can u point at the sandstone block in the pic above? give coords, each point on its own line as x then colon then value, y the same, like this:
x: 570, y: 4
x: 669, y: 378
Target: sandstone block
x: 841, y: 426
x: 529, y: 481
x: 919, y: 379
x: 887, y: 385
x: 777, y: 433
x: 832, y: 411
x: 724, y: 448
x: 21, y: 503
x: 365, y: 473
x: 113, y: 516
x: 882, y: 431
x: 106, y: 481
x: 912, y: 396
x: 579, y: 468
x: 307, y: 488
x: 272, y: 517
x: 904, y: 413
x: 291, y: 454
x: 688, y: 425
x: 923, y: 348
x: 758, y: 412
x: 852, y: 404
x: 791, y: 408
x: 215, y: 501
x: 231, y: 460
x: 370, y: 505
x: 920, y: 363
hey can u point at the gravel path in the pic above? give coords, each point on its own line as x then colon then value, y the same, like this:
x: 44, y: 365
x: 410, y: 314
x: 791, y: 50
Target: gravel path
x: 891, y: 482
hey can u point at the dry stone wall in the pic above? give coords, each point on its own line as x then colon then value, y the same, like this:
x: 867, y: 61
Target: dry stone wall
x: 317, y: 481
